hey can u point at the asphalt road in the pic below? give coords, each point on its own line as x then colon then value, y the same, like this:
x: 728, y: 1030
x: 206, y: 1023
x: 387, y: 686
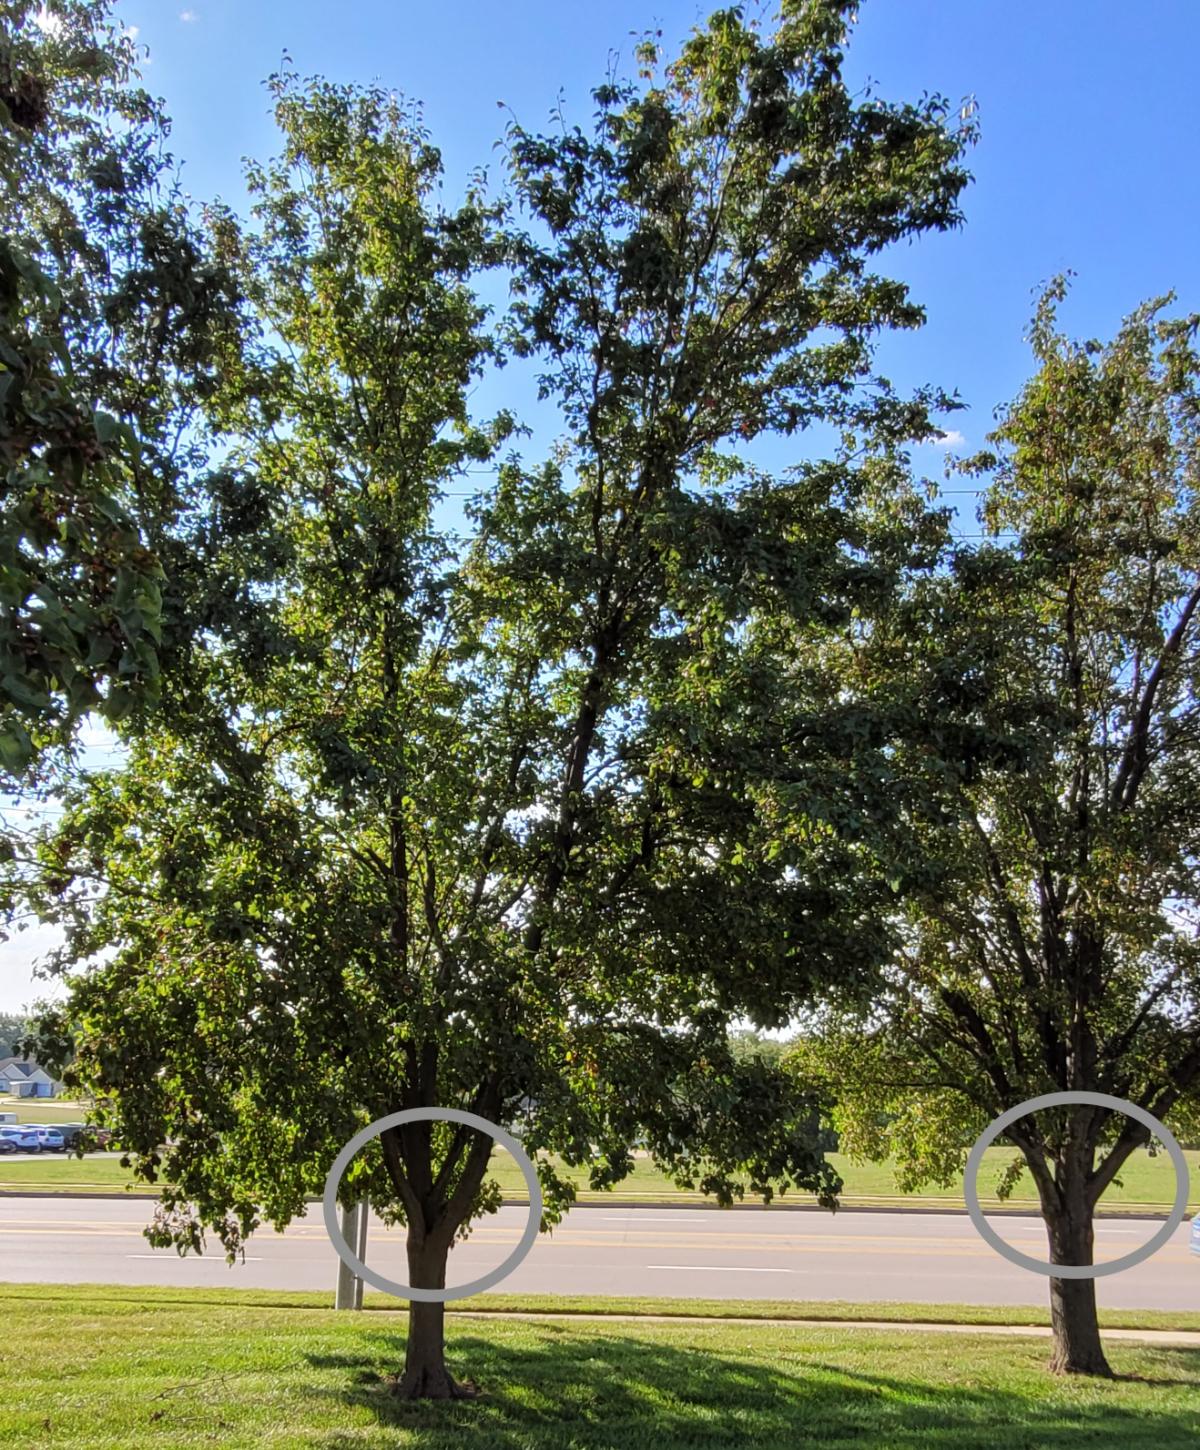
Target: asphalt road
x: 54, y: 1156
x: 667, y: 1253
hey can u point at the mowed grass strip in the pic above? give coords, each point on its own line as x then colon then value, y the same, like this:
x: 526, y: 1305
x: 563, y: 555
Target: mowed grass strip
x: 116, y: 1373
x: 836, y: 1311
x: 45, y: 1110
x: 52, y: 1172
x: 1147, y: 1183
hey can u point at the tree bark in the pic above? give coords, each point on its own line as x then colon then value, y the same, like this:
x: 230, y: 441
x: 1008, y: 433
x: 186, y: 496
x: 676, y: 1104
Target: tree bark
x: 1073, y: 1319
x: 426, y: 1376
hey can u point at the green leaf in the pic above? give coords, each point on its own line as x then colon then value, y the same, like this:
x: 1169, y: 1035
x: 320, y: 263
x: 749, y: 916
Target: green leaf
x: 106, y: 426
x: 16, y: 747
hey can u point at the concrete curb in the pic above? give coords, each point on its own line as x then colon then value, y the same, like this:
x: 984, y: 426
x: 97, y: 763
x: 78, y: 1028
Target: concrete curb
x: 1135, y: 1215
x: 1182, y: 1338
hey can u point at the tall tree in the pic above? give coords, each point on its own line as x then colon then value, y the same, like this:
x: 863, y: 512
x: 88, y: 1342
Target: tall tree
x: 13, y: 1027
x: 429, y: 822
x: 108, y: 311
x: 1048, y: 874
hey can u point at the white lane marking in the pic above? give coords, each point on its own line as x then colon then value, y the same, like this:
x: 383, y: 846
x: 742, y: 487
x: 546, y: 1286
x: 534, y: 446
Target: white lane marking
x: 196, y: 1259
x: 722, y: 1269
x: 694, y: 1217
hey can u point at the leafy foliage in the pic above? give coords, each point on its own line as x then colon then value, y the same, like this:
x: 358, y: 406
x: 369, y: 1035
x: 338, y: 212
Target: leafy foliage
x: 1046, y: 860
x: 107, y: 309
x: 13, y: 1027
x: 513, y: 823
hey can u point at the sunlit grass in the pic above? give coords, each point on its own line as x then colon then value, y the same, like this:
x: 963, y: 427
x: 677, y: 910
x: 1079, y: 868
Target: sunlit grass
x: 1146, y: 1182
x: 131, y: 1369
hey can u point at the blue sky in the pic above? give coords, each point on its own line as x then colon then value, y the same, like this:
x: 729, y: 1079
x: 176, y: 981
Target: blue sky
x: 1087, y: 159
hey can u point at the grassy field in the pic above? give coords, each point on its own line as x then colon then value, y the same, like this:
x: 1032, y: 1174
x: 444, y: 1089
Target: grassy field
x: 48, y: 1110
x: 62, y: 1172
x: 121, y: 1370
x: 1145, y: 1183
x: 834, y: 1311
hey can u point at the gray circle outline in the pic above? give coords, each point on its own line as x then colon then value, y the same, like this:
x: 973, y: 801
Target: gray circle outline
x: 431, y: 1115
x: 1076, y: 1271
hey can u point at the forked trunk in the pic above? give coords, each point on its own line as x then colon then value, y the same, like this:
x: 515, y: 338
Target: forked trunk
x: 426, y: 1376
x: 1073, y: 1319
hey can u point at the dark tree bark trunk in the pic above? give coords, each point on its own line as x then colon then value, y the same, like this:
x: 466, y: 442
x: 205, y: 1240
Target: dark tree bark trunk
x: 426, y: 1376
x: 1075, y: 1326
x: 433, y: 1220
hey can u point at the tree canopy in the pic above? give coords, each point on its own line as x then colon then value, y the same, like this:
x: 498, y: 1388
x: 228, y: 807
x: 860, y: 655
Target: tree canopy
x: 1046, y: 874
x: 108, y: 311
x: 494, y: 823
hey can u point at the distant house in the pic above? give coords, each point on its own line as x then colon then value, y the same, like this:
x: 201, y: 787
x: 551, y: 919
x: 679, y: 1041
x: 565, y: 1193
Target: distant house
x: 25, y: 1079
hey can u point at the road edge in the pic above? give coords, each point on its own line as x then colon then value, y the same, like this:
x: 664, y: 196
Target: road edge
x: 1136, y: 1215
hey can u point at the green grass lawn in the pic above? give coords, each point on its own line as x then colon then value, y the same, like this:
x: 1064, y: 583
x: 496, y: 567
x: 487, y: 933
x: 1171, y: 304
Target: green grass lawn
x: 123, y: 1370
x: 62, y: 1171
x: 45, y: 1110
x: 1145, y: 1183
x: 838, y: 1311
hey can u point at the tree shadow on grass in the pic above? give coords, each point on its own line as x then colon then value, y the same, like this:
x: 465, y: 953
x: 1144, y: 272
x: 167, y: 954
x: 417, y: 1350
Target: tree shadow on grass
x: 561, y: 1389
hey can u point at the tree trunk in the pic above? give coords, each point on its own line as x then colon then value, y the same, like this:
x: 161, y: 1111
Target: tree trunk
x: 425, y: 1374
x: 1076, y: 1329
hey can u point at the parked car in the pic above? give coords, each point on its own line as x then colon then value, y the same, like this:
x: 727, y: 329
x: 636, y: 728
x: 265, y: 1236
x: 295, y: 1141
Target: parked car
x: 8, y: 1146
x: 24, y: 1136
x: 83, y: 1137
x: 1194, y: 1241
x: 50, y: 1139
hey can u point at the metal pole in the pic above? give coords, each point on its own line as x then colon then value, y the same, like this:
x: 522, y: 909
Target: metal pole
x: 364, y: 1213
x: 347, y: 1280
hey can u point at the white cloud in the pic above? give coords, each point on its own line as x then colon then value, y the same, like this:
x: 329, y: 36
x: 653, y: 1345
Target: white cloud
x: 130, y: 30
x: 48, y: 24
x: 187, y: 16
x: 952, y: 438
